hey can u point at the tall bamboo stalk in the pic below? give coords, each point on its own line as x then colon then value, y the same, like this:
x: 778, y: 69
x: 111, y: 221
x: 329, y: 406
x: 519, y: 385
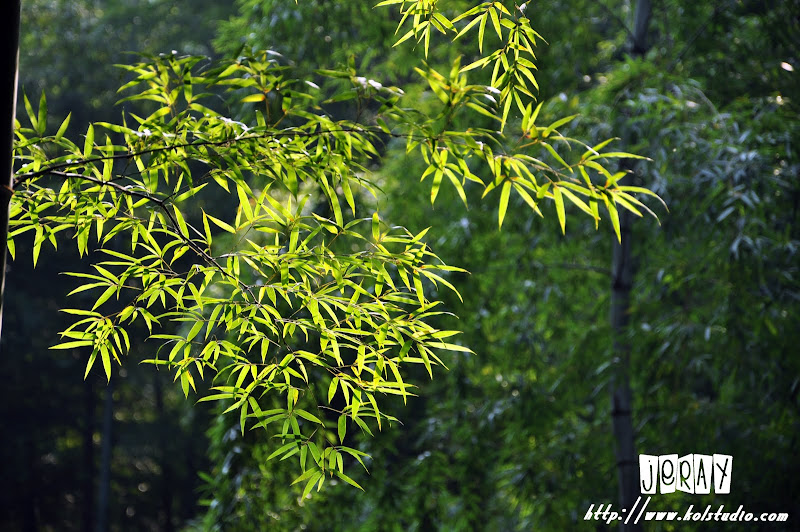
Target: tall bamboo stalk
x: 9, y: 50
x: 621, y: 285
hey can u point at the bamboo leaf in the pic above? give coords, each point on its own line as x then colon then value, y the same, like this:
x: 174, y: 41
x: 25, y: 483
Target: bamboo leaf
x: 342, y: 427
x: 42, y: 118
x: 376, y: 227
x: 504, y: 195
x: 348, y: 479
x: 562, y: 219
x: 88, y: 144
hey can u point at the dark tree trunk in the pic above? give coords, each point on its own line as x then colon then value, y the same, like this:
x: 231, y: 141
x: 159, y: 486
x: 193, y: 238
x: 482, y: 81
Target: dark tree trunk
x: 621, y: 284
x: 105, y: 460
x: 27, y: 499
x: 643, y: 12
x: 622, y: 402
x: 9, y: 41
x: 88, y: 456
x: 165, y: 516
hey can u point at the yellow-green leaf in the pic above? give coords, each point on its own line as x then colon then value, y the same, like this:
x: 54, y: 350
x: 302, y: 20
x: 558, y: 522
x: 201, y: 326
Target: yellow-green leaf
x: 562, y: 219
x: 504, y: 195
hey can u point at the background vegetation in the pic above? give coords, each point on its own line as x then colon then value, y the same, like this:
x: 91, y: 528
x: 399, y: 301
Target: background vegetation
x: 518, y: 436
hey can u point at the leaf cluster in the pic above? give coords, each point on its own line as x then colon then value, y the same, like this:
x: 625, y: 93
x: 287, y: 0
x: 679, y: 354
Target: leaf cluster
x: 296, y: 293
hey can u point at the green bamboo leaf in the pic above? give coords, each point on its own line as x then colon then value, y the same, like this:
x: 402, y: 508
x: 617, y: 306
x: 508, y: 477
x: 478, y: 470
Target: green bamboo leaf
x: 196, y: 328
x: 80, y: 312
x: 104, y: 296
x: 618, y: 155
x: 364, y: 426
x: 418, y: 289
x: 222, y: 225
x: 90, y: 363
x: 405, y: 37
x: 244, y: 203
x: 376, y: 227
x: 457, y: 184
x: 42, y: 118
x: 348, y: 193
x: 467, y: 27
x: 596, y: 148
x: 332, y: 389
x: 282, y: 450
x: 496, y: 22
x: 189, y: 193
x: 437, y: 183
x: 424, y: 353
x: 642, y: 190
x: 342, y: 427
x: 318, y: 476
x: 506, y: 109
x: 72, y: 345
x: 291, y: 180
x: 557, y: 124
x: 612, y: 212
x: 528, y: 199
x: 556, y: 156
x: 260, y: 97
x: 337, y: 209
x: 504, y: 195
x: 106, y: 358
x: 37, y: 244
x: 215, y: 397
x: 576, y: 200
x: 308, y: 474
x: 467, y: 13
x: 562, y: 219
x: 427, y: 37
x: 480, y: 63
x: 531, y: 125
x: 610, y: 180
x: 482, y: 110
x: 308, y: 416
x: 622, y: 199
x: 433, y: 277
x: 180, y: 221
x: 444, y: 21
x: 88, y: 144
x: 454, y: 347
x: 348, y: 479
x: 29, y: 110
